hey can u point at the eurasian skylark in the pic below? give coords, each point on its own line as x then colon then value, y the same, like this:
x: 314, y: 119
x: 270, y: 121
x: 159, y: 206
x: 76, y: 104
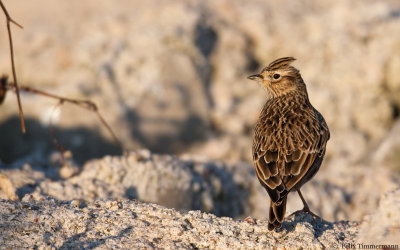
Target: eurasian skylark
x: 290, y: 137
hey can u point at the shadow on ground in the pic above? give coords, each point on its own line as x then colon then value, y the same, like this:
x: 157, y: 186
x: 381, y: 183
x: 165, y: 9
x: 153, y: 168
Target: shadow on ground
x: 84, y: 143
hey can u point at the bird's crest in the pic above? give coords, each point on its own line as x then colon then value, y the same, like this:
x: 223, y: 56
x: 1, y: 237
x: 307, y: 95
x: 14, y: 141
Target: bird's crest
x: 279, y: 63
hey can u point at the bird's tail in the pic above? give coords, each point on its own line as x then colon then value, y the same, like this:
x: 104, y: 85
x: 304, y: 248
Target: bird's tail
x: 276, y: 214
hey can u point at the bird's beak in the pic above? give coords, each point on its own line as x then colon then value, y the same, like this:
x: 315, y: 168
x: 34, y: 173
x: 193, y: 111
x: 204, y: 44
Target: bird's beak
x: 254, y: 77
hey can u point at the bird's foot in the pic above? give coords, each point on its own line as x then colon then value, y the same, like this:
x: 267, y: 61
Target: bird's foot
x: 306, y: 210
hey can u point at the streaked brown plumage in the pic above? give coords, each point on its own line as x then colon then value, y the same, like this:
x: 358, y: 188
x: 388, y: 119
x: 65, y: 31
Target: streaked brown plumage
x: 290, y: 137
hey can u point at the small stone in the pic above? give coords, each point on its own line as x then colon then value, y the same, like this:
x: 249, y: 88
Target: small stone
x: 250, y: 220
x: 75, y: 203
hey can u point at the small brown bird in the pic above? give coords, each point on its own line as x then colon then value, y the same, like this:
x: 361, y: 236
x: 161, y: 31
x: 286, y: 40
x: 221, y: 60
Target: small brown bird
x: 290, y: 137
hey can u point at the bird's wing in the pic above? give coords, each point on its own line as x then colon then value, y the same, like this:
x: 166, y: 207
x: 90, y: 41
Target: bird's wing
x: 283, y: 153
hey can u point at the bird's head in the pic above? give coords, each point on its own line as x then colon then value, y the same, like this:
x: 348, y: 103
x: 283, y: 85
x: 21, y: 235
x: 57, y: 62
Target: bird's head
x: 279, y: 78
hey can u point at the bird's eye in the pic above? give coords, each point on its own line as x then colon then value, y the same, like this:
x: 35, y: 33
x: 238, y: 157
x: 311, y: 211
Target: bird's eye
x: 276, y: 76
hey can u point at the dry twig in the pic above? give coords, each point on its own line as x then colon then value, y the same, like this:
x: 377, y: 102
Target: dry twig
x: 86, y: 104
x: 9, y: 20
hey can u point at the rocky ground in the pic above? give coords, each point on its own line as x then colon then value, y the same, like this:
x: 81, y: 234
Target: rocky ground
x: 98, y: 208
x: 126, y: 224
x: 48, y: 223
x: 170, y: 76
x: 191, y: 183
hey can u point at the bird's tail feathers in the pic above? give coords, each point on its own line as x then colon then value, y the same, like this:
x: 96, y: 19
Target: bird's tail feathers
x: 276, y: 214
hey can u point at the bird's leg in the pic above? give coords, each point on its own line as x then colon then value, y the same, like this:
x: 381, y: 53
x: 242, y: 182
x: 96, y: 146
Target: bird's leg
x: 306, y: 208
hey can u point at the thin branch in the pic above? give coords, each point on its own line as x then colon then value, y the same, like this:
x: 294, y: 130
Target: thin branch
x: 10, y: 20
x: 3, y: 88
x: 8, y: 15
x: 109, y: 129
x: 86, y: 104
x: 59, y: 147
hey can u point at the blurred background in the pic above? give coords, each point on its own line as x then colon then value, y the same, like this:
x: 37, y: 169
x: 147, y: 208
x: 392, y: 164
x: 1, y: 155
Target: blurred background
x: 170, y: 76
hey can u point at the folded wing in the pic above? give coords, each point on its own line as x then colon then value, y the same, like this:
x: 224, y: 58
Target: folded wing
x: 284, y: 153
